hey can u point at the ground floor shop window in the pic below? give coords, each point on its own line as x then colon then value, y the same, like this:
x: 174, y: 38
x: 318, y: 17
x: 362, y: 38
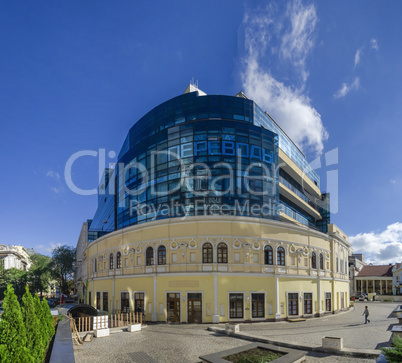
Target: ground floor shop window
x: 125, y: 302
x: 106, y: 301
x: 98, y: 300
x: 328, y: 301
x: 139, y: 301
x: 257, y: 305
x: 308, y: 303
x: 293, y: 304
x: 173, y: 307
x: 236, y: 306
x: 342, y: 300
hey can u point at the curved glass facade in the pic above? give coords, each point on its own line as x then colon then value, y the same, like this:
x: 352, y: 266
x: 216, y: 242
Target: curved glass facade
x: 197, y: 155
x: 203, y: 155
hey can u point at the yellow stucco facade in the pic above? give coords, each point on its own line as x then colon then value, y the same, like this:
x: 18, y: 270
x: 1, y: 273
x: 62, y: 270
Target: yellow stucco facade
x: 240, y: 280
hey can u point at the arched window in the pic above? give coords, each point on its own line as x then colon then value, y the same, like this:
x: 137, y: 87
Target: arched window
x: 321, y: 262
x: 268, y: 255
x: 118, y: 260
x: 162, y: 255
x: 150, y: 256
x: 280, y: 256
x: 207, y: 253
x: 111, y: 262
x: 222, y: 253
x: 313, y: 260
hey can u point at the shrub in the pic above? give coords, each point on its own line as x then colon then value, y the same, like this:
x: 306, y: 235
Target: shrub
x: 13, y: 338
x: 48, y: 318
x: 43, y: 331
x: 32, y: 324
x: 394, y: 353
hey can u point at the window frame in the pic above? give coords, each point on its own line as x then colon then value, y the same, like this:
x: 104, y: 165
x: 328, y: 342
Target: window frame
x: 118, y: 260
x: 111, y: 261
x: 313, y: 260
x: 321, y: 261
x: 230, y: 307
x: 268, y: 255
x: 263, y: 305
x: 305, y: 303
x: 207, y: 253
x: 149, y: 256
x: 280, y: 256
x: 162, y: 255
x: 222, y: 252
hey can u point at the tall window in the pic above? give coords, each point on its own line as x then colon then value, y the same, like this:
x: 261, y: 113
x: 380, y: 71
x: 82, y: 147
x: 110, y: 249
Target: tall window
x: 313, y: 260
x: 139, y: 301
x: 106, y: 301
x: 150, y: 256
x: 162, y: 255
x: 222, y: 253
x: 98, y: 300
x: 308, y: 303
x: 90, y: 298
x: 327, y: 301
x: 293, y: 304
x: 125, y: 302
x: 321, y: 262
x: 95, y: 265
x: 268, y: 255
x: 236, y: 306
x: 118, y: 260
x: 207, y: 253
x: 280, y: 256
x: 111, y: 262
x: 257, y: 305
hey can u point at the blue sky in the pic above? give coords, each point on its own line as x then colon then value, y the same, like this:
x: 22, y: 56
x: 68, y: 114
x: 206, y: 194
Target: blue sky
x: 76, y: 76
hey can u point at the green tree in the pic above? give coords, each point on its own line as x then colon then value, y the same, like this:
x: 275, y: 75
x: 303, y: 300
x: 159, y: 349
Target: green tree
x: 39, y: 274
x: 64, y: 258
x: 30, y: 317
x: 43, y: 327
x: 13, y: 338
x: 18, y: 279
x: 48, y: 318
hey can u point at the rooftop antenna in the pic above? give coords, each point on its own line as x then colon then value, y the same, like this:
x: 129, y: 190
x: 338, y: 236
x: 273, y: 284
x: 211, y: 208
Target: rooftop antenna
x: 194, y: 83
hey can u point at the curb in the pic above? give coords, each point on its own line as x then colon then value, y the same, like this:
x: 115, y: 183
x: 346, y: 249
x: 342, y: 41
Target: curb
x: 362, y: 353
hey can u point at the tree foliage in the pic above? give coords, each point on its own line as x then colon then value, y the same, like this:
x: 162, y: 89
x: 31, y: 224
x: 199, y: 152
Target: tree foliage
x: 394, y: 353
x: 13, y: 338
x: 43, y: 328
x: 39, y: 275
x: 48, y: 318
x: 64, y: 258
x: 32, y: 324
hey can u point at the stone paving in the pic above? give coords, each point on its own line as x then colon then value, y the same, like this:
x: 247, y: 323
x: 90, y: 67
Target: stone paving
x: 185, y: 343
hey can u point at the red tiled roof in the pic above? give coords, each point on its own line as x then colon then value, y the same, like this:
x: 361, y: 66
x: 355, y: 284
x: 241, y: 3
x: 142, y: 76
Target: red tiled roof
x: 372, y: 270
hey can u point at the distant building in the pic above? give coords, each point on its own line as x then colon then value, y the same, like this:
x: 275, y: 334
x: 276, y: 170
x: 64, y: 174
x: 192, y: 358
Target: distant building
x: 375, y: 278
x: 14, y: 257
x: 397, y: 279
x: 356, y: 263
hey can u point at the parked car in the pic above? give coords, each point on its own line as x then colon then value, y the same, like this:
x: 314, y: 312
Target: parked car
x: 361, y: 296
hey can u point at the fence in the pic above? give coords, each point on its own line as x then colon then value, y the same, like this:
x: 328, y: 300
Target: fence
x: 88, y: 323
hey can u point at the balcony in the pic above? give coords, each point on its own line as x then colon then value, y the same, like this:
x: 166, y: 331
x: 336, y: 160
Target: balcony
x: 296, y: 216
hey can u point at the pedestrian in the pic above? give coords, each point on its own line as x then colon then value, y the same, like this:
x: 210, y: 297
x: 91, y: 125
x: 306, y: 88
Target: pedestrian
x: 366, y: 315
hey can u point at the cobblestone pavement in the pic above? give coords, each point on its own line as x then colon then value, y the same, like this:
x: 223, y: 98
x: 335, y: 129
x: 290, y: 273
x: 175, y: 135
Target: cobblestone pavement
x: 349, y: 326
x: 185, y: 343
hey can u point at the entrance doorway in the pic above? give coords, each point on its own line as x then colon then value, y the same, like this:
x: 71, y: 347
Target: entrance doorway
x: 194, y: 307
x: 173, y: 307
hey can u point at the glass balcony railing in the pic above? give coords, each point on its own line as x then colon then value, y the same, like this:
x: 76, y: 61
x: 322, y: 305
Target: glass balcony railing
x: 298, y: 193
x: 293, y: 214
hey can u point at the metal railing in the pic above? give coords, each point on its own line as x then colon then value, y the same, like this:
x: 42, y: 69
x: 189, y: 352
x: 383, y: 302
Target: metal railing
x: 298, y: 217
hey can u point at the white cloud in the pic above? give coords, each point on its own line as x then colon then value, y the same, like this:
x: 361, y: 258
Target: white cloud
x: 53, y: 174
x: 48, y: 249
x: 288, y: 104
x: 358, y: 56
x: 346, y: 88
x: 374, y: 44
x: 298, y: 41
x: 380, y: 247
